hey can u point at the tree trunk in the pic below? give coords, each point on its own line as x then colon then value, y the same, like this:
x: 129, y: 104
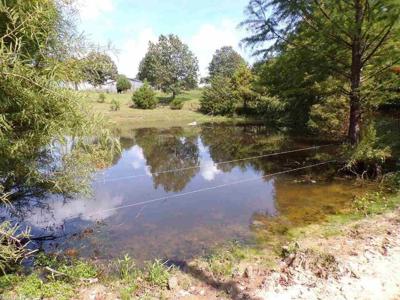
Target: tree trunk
x: 355, y: 77
x: 355, y: 120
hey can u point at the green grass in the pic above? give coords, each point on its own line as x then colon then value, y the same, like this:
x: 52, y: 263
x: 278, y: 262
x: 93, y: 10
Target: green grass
x: 157, y: 273
x: 163, y: 116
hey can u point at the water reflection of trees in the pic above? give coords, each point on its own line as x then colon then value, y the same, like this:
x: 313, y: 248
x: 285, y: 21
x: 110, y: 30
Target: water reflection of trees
x: 228, y: 143
x: 169, y: 150
x: 178, y: 148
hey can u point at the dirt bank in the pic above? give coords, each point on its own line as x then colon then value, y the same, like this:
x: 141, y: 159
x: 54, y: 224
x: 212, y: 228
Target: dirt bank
x: 363, y: 262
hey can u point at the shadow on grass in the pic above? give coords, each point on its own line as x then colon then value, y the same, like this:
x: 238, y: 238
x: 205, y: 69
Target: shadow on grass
x: 164, y: 100
x: 230, y: 288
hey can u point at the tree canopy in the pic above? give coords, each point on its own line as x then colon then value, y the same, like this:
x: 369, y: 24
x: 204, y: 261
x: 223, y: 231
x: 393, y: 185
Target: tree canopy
x: 225, y: 62
x: 169, y: 65
x: 99, y: 68
x: 357, y: 42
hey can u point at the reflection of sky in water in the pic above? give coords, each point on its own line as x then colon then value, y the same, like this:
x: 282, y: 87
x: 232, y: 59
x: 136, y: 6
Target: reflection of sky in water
x: 208, y: 169
x: 57, y: 212
x: 171, y: 226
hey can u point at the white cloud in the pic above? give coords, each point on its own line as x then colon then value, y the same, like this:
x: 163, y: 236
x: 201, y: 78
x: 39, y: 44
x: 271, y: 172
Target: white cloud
x: 137, y: 155
x: 211, y: 37
x: 133, y: 50
x: 58, y: 212
x: 209, y: 170
x: 91, y: 9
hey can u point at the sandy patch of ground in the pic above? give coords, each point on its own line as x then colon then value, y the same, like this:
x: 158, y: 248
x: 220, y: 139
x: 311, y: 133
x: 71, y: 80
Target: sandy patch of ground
x: 362, y: 264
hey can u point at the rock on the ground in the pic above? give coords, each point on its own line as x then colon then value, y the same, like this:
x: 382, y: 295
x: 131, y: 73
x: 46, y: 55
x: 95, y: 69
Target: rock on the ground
x: 172, y: 283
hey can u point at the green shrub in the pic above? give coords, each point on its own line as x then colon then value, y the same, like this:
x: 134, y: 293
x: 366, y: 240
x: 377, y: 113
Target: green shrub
x: 145, y: 97
x: 123, y: 84
x: 102, y: 98
x: 115, y: 105
x: 219, y: 98
x: 176, y: 104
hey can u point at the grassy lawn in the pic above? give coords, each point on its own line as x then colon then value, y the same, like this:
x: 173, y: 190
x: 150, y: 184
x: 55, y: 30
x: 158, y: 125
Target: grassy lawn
x: 129, y: 117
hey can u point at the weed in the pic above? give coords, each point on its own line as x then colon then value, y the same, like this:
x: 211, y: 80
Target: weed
x: 32, y: 287
x: 127, y: 269
x: 370, y: 203
x: 46, y: 260
x: 115, y: 105
x: 102, y: 98
x: 157, y: 273
x: 7, y: 282
x: 222, y: 261
x: 79, y: 270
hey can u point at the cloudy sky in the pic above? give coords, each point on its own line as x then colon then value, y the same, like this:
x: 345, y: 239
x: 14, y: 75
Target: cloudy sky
x: 129, y: 25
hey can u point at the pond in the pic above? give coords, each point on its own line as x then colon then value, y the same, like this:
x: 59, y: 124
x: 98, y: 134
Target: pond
x: 175, y: 193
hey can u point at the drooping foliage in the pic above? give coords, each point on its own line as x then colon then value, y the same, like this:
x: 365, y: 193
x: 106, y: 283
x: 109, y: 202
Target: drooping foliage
x: 49, y: 141
x: 169, y: 65
x: 44, y: 128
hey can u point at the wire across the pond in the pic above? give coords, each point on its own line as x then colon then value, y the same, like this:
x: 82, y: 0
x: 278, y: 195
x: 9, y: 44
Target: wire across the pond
x: 204, y: 189
x: 215, y: 164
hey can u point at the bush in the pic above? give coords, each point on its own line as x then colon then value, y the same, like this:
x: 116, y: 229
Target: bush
x: 145, y: 97
x: 176, y: 104
x: 219, y: 98
x: 115, y: 105
x: 123, y: 84
x: 102, y: 98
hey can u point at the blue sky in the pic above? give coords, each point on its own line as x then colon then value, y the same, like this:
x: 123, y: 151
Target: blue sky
x: 130, y: 24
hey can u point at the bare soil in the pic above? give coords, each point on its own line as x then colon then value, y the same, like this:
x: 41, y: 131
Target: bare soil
x: 362, y: 263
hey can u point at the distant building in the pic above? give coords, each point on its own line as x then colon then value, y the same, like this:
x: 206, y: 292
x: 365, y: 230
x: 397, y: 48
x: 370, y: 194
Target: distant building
x: 108, y: 87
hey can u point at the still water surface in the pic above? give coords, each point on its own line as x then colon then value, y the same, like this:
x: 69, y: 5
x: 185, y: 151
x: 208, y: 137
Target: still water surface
x: 108, y: 224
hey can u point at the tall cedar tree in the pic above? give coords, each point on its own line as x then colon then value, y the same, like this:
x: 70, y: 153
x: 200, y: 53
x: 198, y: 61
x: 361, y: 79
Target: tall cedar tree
x: 359, y: 38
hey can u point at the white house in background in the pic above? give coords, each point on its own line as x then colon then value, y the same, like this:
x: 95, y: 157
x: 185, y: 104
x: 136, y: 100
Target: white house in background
x: 108, y: 87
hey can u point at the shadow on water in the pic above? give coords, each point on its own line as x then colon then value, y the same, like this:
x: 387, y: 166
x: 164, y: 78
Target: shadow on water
x: 113, y: 221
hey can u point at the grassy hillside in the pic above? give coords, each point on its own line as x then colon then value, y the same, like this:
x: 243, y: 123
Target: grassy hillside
x: 162, y: 116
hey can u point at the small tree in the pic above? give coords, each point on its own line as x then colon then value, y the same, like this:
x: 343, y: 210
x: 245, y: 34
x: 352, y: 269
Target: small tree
x: 169, y: 65
x: 220, y: 98
x: 123, y: 84
x: 145, y: 97
x: 242, y: 82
